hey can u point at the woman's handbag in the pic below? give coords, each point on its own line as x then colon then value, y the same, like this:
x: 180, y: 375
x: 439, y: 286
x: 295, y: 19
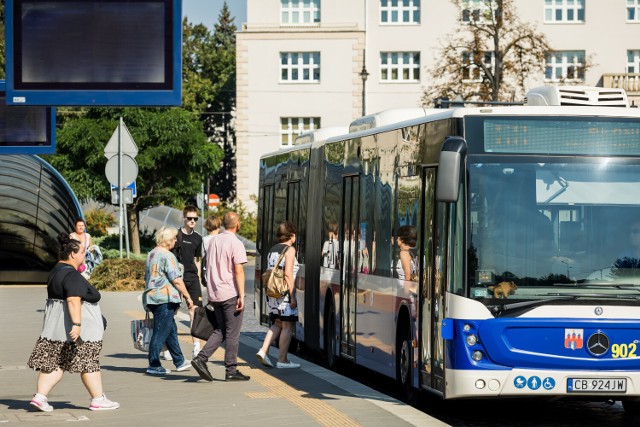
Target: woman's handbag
x: 141, y: 332
x: 203, y: 324
x: 273, y: 279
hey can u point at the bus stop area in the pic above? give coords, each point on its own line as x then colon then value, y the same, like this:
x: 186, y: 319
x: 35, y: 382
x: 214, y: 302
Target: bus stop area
x: 309, y: 396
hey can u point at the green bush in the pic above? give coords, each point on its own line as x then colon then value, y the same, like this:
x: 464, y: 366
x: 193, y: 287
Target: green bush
x: 119, y: 275
x: 98, y: 220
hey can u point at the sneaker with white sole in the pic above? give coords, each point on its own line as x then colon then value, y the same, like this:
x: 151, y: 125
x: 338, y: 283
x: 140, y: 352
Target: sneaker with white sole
x: 185, y: 365
x: 157, y: 370
x: 264, y: 359
x: 166, y: 355
x: 41, y: 403
x: 103, y: 404
x: 287, y: 365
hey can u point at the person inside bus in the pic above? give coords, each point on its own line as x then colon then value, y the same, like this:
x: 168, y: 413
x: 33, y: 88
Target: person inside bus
x: 330, y: 248
x: 630, y: 258
x: 406, y: 267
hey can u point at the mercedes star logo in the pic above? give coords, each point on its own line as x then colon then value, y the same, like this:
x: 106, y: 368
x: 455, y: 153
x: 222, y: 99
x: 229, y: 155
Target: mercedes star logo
x: 599, y: 311
x: 598, y: 344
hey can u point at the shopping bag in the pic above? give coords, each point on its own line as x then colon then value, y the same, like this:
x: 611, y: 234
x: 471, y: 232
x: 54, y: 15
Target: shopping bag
x: 203, y: 324
x: 141, y: 332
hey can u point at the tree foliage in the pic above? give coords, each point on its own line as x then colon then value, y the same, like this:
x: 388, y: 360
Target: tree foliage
x: 490, y: 58
x: 174, y: 154
x: 209, y: 75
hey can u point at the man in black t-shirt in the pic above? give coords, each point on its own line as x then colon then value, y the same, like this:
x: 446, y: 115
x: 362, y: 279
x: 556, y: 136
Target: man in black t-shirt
x: 188, y: 250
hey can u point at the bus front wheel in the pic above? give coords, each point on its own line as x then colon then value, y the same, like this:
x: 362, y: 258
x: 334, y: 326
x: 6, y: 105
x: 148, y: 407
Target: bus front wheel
x: 404, y: 369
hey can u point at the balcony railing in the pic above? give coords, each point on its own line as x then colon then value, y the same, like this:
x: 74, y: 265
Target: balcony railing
x: 630, y: 82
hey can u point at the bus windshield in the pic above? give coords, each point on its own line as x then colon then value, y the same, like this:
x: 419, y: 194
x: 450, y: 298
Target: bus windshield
x: 567, y: 227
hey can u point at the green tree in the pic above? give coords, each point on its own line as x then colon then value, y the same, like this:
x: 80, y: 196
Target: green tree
x: 173, y: 156
x: 219, y: 122
x: 490, y: 57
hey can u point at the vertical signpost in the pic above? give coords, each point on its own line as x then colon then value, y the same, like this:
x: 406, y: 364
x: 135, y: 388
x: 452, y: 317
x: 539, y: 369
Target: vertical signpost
x: 121, y: 171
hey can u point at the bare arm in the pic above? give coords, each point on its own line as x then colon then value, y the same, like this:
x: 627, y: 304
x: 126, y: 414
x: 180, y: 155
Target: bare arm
x: 179, y: 284
x: 239, y: 269
x: 75, y: 312
x: 405, y: 260
x: 289, y: 259
x: 198, y: 262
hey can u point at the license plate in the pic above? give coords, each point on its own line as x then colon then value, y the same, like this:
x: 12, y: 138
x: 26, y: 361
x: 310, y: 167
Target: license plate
x: 609, y: 385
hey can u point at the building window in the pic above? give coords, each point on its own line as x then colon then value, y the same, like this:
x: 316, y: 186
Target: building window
x: 633, y: 10
x: 300, y: 67
x: 400, y: 11
x: 561, y: 66
x: 563, y: 10
x: 291, y: 127
x: 633, y: 61
x: 471, y: 71
x: 300, y: 11
x: 478, y: 11
x: 400, y: 66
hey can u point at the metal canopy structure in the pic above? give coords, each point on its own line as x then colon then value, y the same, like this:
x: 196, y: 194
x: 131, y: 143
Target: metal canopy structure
x: 36, y: 204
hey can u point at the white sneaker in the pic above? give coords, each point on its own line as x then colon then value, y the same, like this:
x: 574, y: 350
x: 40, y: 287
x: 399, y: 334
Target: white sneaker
x: 166, y: 355
x: 185, y: 365
x: 287, y: 365
x: 103, y: 404
x: 41, y: 403
x: 264, y: 359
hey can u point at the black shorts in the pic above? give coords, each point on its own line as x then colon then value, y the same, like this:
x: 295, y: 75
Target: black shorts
x: 195, y: 291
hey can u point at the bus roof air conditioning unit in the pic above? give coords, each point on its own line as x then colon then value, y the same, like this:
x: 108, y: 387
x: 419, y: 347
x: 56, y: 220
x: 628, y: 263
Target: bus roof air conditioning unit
x: 386, y: 117
x: 321, y: 134
x: 576, y: 96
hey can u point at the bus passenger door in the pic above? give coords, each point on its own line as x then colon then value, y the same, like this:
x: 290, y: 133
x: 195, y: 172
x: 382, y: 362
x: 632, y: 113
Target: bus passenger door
x: 430, y: 297
x: 266, y: 241
x: 348, y: 274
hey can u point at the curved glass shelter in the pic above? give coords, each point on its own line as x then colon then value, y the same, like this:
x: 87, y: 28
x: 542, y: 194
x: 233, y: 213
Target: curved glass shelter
x: 36, y: 204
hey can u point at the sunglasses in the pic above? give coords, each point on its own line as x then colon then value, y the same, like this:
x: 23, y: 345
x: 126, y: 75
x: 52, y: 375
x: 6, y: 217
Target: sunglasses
x: 192, y: 218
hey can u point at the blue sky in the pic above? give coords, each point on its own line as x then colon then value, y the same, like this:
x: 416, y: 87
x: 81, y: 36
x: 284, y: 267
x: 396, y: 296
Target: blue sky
x: 206, y: 11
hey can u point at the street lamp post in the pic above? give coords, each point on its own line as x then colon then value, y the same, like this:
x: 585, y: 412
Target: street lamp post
x: 363, y: 75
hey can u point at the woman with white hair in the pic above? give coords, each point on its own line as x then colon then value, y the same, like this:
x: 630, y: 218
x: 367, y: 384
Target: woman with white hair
x: 164, y: 285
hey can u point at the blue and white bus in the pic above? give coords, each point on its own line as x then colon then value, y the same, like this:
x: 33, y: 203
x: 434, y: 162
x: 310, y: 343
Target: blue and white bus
x: 471, y: 252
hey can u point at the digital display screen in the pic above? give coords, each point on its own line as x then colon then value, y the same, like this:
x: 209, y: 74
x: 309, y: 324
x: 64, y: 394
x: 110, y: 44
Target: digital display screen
x: 25, y: 129
x: 94, y: 52
x: 553, y: 135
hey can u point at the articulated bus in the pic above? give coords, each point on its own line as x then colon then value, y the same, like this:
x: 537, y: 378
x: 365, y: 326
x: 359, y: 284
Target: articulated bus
x: 471, y: 252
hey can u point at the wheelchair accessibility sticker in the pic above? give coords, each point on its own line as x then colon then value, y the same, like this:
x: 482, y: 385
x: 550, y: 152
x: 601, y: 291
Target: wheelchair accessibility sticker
x: 534, y: 382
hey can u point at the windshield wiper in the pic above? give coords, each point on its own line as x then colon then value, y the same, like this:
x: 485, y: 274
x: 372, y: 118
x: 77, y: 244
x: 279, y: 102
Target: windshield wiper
x: 590, y: 284
x: 599, y: 296
x: 498, y: 310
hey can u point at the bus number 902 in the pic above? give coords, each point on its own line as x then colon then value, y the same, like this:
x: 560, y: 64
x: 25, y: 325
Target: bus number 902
x: 623, y: 351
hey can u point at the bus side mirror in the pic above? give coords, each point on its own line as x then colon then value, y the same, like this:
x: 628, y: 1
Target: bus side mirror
x: 452, y: 156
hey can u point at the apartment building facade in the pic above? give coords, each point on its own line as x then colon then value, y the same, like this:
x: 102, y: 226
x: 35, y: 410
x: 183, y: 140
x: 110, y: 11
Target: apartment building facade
x: 306, y: 64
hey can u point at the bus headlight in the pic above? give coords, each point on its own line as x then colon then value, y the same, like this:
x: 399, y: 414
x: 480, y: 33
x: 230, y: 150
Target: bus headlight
x: 480, y: 384
x: 472, y: 340
x: 477, y: 355
x: 466, y: 327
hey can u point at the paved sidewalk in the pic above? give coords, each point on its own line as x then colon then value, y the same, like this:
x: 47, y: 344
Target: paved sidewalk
x: 309, y: 396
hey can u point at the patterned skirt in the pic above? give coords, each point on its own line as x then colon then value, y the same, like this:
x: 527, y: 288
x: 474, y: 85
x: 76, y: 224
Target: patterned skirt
x: 55, y: 350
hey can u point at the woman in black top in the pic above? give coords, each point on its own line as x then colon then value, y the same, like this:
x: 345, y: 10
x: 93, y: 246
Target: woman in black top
x: 71, y: 337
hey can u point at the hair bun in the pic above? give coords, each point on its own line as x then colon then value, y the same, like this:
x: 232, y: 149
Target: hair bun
x: 63, y: 239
